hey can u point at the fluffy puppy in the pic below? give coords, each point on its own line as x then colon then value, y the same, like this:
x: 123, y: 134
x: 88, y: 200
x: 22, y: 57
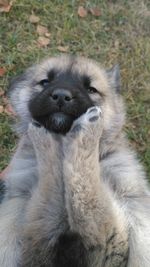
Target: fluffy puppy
x: 76, y: 195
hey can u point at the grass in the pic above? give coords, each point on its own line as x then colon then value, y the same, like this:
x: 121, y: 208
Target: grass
x: 120, y: 34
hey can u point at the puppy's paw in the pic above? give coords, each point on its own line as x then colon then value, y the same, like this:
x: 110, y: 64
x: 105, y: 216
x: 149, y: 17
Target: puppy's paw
x: 89, y: 122
x: 85, y: 132
x: 92, y: 115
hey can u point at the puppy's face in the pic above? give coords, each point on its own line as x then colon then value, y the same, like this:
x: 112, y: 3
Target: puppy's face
x: 59, y: 90
x: 62, y: 97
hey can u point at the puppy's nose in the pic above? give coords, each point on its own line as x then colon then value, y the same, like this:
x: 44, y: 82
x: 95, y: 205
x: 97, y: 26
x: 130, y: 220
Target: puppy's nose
x: 61, y: 95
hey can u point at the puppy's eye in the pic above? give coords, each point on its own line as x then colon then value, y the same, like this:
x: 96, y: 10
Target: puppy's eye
x: 91, y: 90
x: 44, y: 82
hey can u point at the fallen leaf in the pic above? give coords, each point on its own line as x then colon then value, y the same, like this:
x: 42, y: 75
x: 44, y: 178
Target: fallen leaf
x: 41, y: 30
x: 34, y: 19
x: 116, y: 44
x: 5, y: 5
x: 4, y: 172
x: 43, y: 41
x: 95, y: 11
x: 2, y: 92
x: 5, y: 100
x: 1, y: 109
x: 22, y: 47
x: 63, y: 48
x: 82, y: 12
x: 9, y: 110
x: 2, y: 71
x: 47, y: 34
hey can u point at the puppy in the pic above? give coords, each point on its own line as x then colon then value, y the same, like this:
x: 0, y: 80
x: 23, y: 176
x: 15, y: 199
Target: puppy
x: 75, y: 193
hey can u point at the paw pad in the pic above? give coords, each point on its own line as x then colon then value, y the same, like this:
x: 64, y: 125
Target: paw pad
x: 36, y: 123
x: 94, y: 118
x: 93, y: 113
x: 76, y: 128
x: 91, y: 109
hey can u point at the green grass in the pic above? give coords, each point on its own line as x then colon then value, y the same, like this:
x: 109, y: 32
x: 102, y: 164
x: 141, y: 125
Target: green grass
x: 120, y: 34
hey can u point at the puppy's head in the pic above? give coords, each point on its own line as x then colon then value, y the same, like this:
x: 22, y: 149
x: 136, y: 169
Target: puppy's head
x: 59, y: 90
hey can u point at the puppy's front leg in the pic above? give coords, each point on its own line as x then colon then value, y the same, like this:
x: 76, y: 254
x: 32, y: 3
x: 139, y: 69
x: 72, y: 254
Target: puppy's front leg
x: 45, y: 216
x: 92, y: 209
x: 19, y: 181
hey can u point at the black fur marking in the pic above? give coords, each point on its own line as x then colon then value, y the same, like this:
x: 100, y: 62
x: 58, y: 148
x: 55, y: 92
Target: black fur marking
x: 2, y: 190
x: 46, y: 111
x: 106, y: 155
x: 116, y: 257
x: 111, y: 238
x: 86, y: 81
x: 51, y: 75
x: 70, y: 251
x: 122, y: 259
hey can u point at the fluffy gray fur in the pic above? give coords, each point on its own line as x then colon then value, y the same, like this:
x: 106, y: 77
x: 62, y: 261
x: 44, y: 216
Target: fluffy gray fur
x: 88, y: 181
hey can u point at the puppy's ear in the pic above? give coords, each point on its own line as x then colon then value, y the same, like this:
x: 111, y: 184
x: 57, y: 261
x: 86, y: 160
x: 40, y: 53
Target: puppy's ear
x: 114, y: 77
x: 19, y: 93
x: 14, y: 88
x: 14, y: 81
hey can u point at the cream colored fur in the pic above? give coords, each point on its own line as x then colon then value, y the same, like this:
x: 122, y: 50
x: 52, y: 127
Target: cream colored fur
x: 88, y: 180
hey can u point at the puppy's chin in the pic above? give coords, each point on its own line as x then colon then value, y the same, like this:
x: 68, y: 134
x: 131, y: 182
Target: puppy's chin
x: 58, y: 122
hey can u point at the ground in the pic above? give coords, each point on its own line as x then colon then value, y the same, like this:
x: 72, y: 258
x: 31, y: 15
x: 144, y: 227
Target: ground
x: 120, y: 33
